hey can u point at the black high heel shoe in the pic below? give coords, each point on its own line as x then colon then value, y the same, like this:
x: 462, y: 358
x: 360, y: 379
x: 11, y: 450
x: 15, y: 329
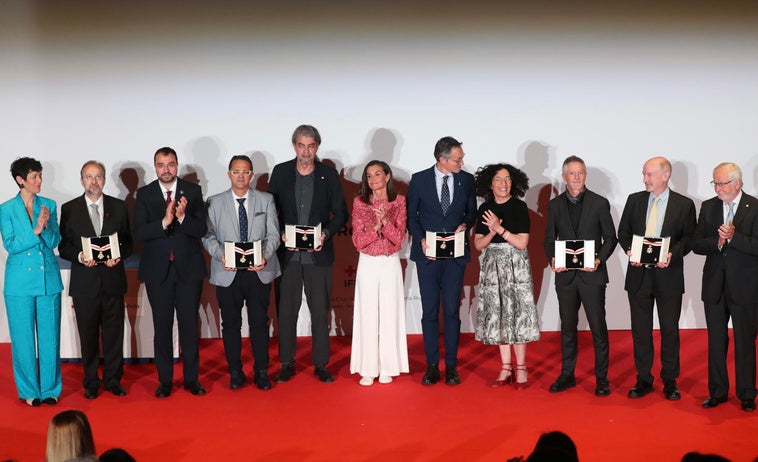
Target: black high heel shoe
x: 506, y: 372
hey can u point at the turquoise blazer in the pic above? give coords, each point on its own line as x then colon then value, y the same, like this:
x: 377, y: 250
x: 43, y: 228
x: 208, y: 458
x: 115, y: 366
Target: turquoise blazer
x: 31, y: 268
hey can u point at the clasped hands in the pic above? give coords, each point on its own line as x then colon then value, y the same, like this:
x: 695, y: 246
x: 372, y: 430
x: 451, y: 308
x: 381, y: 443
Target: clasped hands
x: 175, y: 209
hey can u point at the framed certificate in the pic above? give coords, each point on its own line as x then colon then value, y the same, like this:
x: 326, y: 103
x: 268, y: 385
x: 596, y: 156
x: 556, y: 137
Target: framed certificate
x: 242, y: 255
x: 574, y: 254
x: 445, y: 245
x: 101, y: 248
x: 650, y: 250
x: 302, y: 237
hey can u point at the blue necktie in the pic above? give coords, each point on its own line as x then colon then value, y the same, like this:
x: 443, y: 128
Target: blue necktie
x: 445, y: 196
x: 730, y: 214
x: 243, y: 220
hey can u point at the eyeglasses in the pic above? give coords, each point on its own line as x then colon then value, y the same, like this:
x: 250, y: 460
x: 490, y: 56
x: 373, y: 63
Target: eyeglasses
x: 720, y: 185
x: 240, y: 172
x: 457, y: 161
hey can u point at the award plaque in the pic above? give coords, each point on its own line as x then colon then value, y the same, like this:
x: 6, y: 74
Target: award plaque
x: 101, y: 248
x: 242, y: 255
x: 574, y: 254
x: 650, y: 250
x: 445, y: 245
x: 302, y: 237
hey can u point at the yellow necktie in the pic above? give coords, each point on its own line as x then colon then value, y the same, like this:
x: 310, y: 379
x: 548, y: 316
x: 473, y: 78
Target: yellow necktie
x: 652, y: 219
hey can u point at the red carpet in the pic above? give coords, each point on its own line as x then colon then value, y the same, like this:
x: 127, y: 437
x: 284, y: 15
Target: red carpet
x: 305, y: 420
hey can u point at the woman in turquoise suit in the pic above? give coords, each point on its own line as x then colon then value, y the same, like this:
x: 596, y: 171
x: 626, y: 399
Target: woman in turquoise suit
x: 29, y: 227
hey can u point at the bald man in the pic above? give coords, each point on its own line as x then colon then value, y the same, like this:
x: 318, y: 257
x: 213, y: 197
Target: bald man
x: 656, y: 212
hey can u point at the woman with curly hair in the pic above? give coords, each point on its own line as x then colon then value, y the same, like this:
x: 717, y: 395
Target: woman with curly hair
x: 507, y: 314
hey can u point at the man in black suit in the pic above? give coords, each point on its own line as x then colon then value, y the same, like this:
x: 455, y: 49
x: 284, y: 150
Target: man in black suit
x: 170, y: 218
x: 727, y: 234
x: 441, y: 279
x: 656, y: 212
x: 97, y: 289
x: 580, y: 214
x: 306, y: 192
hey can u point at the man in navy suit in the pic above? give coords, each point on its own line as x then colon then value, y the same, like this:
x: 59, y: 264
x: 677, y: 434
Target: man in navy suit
x: 580, y: 214
x: 656, y: 212
x: 170, y: 217
x: 441, y: 199
x: 727, y: 234
x: 97, y: 289
x: 307, y: 192
x: 242, y: 214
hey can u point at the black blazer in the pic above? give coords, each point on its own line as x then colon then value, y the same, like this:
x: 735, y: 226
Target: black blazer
x: 678, y: 224
x: 595, y: 223
x: 183, y: 238
x: 75, y: 224
x: 328, y: 206
x: 733, y: 270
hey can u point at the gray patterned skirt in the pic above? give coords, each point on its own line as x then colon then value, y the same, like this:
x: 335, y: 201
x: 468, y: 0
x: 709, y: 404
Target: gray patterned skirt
x: 507, y: 313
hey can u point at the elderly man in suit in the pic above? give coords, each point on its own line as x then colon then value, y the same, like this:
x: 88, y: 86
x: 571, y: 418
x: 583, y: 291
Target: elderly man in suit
x: 97, y: 289
x: 656, y: 212
x: 170, y: 217
x: 727, y: 234
x: 307, y: 192
x: 580, y: 214
x: 441, y: 199
x: 242, y: 214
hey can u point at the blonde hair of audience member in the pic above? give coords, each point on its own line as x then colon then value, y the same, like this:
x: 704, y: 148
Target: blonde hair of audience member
x: 69, y: 436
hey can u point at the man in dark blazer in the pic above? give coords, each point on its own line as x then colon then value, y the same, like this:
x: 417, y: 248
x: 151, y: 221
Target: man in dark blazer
x: 580, y: 214
x: 306, y: 192
x: 727, y: 234
x: 673, y: 216
x: 170, y: 217
x: 242, y: 214
x: 430, y: 192
x: 97, y: 289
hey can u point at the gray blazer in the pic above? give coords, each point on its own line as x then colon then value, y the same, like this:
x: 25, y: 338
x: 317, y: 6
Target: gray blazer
x: 223, y: 226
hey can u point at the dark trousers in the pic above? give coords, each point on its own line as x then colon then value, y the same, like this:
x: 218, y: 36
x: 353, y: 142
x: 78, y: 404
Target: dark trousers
x: 104, y: 312
x: 744, y: 328
x: 570, y: 298
x: 174, y: 293
x: 317, y: 281
x: 440, y: 280
x: 669, y: 308
x: 246, y: 289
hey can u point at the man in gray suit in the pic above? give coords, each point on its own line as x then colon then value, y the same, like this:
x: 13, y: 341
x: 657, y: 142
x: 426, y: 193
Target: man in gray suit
x: 242, y: 214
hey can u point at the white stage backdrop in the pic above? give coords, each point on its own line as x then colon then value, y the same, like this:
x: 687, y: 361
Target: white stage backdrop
x: 525, y: 84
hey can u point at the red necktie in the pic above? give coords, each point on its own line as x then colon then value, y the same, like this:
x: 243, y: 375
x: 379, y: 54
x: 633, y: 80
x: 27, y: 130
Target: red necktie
x: 168, y: 201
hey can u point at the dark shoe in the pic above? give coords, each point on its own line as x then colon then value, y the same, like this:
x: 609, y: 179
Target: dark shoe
x: 671, y: 392
x: 50, y: 401
x: 116, y: 389
x: 748, y: 405
x: 163, y: 390
x: 602, y: 388
x: 261, y: 380
x: 431, y: 376
x: 563, y: 383
x: 285, y: 373
x: 33, y: 402
x: 505, y: 376
x: 90, y: 392
x: 713, y: 402
x: 640, y: 389
x: 195, y: 388
x: 451, y: 376
x: 323, y: 374
x: 237, y: 381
